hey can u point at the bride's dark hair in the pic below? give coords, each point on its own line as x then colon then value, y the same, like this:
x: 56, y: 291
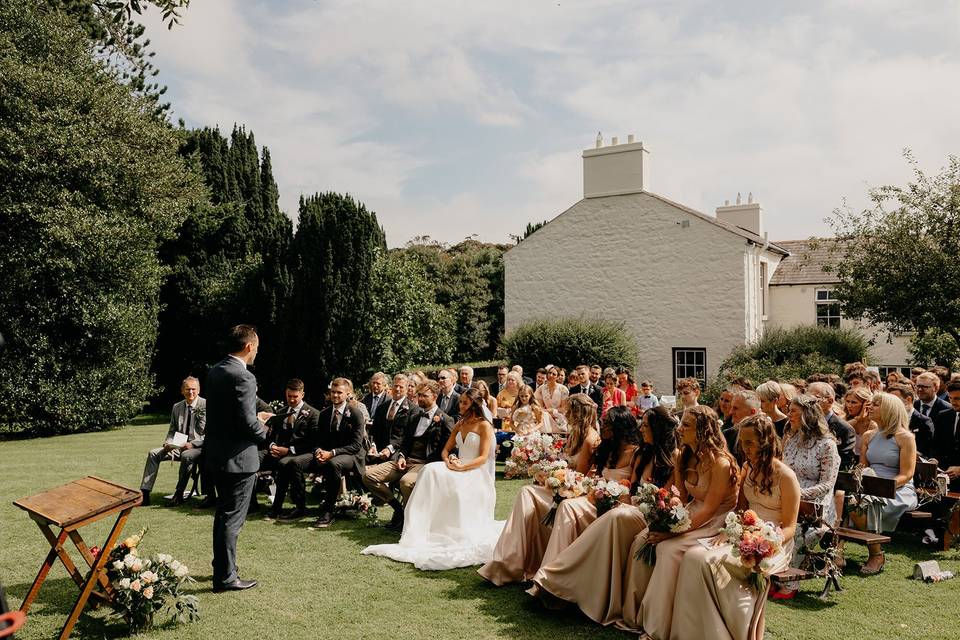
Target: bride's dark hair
x: 475, y: 410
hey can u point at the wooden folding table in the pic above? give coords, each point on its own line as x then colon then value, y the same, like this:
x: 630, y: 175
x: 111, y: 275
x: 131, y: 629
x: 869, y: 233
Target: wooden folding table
x: 70, y: 507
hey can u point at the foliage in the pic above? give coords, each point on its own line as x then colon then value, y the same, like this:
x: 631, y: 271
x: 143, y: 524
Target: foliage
x: 228, y: 262
x: 406, y: 323
x: 568, y: 342
x: 910, y: 235
x: 529, y: 231
x: 468, y: 283
x: 934, y: 347
x: 787, y: 354
x: 90, y: 184
x: 335, y: 251
x: 146, y: 586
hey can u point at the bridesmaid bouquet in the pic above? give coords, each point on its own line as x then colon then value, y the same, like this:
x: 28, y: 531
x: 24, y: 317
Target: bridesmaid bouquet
x: 664, y: 511
x: 607, y: 493
x: 530, y: 450
x: 564, y: 483
x: 753, y: 544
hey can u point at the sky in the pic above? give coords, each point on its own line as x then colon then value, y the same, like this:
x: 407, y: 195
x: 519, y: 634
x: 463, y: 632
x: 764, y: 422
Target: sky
x: 455, y: 119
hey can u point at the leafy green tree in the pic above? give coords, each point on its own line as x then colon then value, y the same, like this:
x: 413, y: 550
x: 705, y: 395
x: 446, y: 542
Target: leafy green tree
x: 335, y: 253
x: 897, y: 260
x: 90, y: 185
x: 934, y: 347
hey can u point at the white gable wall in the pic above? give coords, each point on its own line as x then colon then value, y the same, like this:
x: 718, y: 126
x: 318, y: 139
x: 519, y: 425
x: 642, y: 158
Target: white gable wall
x: 630, y: 258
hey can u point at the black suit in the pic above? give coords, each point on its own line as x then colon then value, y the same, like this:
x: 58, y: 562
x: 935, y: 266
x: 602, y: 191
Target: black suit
x: 385, y: 428
x: 233, y: 433
x: 945, y: 446
x: 594, y: 392
x: 345, y: 441
x: 922, y: 428
x: 936, y: 407
x: 436, y: 435
x: 301, y: 438
x: 450, y: 404
x: 370, y: 400
x: 496, y: 388
x: 846, y: 440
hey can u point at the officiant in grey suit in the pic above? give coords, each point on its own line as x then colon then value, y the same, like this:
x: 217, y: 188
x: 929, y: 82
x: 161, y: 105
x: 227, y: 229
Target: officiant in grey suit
x: 188, y: 419
x: 233, y: 435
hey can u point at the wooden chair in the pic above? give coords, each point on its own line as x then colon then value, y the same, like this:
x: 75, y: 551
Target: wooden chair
x: 925, y: 482
x: 867, y: 486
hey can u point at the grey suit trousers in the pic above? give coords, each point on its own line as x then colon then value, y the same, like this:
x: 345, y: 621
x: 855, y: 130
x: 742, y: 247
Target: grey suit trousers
x: 188, y: 459
x: 233, y: 499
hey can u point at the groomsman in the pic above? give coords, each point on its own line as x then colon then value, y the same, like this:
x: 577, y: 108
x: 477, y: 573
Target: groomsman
x: 448, y: 399
x: 232, y: 436
x: 593, y: 391
x: 377, y: 394
x: 339, y: 449
x: 425, y: 433
x: 920, y: 425
x: 291, y: 432
x: 501, y: 382
x: 390, y: 420
x: 187, y: 418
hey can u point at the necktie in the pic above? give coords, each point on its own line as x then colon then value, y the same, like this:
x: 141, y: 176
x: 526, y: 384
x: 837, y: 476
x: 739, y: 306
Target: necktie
x: 292, y: 417
x: 374, y: 404
x: 189, y: 419
x: 956, y: 419
x: 393, y: 410
x: 925, y: 409
x: 336, y: 419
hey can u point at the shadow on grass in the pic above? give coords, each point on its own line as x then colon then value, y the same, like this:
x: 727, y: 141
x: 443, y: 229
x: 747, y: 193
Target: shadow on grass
x: 56, y: 600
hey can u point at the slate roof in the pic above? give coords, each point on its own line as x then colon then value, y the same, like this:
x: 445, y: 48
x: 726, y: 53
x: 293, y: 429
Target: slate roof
x: 805, y: 265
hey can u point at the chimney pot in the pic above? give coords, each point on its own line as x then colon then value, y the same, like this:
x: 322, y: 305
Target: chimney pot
x: 738, y: 197
x: 750, y: 198
x: 615, y: 169
x: 614, y: 141
x: 630, y: 139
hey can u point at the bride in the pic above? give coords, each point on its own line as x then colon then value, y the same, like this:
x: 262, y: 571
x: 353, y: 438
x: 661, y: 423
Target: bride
x: 448, y: 520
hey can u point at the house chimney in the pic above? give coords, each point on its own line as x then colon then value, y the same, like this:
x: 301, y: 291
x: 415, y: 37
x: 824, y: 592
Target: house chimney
x: 616, y: 169
x: 747, y: 216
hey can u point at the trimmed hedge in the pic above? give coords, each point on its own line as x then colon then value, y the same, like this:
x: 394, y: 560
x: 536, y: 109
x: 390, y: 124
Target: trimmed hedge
x: 567, y: 342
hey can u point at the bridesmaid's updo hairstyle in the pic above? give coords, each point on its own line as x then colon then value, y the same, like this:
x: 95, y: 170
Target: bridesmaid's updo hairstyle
x: 581, y: 417
x: 768, y: 448
x: 477, y: 402
x: 711, y: 444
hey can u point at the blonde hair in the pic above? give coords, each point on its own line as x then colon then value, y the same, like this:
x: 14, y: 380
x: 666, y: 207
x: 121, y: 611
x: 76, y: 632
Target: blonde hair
x: 891, y: 414
x: 770, y: 391
x: 581, y: 417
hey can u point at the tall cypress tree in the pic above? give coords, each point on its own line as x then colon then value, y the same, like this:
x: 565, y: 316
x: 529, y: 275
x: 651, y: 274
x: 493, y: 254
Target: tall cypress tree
x: 334, y: 253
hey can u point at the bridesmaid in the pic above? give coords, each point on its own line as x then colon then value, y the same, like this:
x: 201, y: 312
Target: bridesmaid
x: 713, y: 599
x: 590, y: 572
x: 519, y: 551
x: 615, y: 460
x: 707, y: 476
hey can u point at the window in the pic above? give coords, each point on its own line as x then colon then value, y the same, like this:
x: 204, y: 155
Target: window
x: 690, y: 363
x: 763, y: 288
x: 886, y: 369
x: 828, y: 309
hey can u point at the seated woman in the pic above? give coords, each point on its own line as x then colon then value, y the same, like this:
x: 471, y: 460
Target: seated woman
x: 488, y: 400
x: 507, y: 397
x: 769, y: 393
x: 550, y: 397
x: 590, y: 571
x: 811, y: 451
x: 713, y: 600
x: 856, y: 404
x: 615, y: 460
x: 527, y: 415
x: 520, y: 548
x: 628, y: 385
x: 613, y: 396
x: 448, y: 521
x: 891, y: 451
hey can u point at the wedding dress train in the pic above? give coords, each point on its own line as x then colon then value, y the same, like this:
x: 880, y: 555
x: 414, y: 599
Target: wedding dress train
x: 448, y: 521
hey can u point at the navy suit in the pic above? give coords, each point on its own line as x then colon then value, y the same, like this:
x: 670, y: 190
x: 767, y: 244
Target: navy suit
x: 233, y: 435
x: 922, y: 428
x: 937, y: 406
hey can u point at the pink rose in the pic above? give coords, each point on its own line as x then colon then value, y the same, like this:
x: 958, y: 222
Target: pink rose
x: 135, y: 585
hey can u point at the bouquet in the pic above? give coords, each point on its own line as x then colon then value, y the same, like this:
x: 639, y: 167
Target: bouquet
x: 564, y: 483
x: 530, y: 450
x: 144, y: 586
x: 753, y: 543
x: 664, y: 511
x: 362, y: 503
x: 607, y: 493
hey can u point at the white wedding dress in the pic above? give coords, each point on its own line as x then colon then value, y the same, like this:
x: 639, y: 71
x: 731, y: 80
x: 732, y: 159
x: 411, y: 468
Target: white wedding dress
x: 448, y: 521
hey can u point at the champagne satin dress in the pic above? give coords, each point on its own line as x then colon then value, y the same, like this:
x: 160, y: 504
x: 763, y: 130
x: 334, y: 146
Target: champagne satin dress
x: 649, y: 590
x: 714, y: 600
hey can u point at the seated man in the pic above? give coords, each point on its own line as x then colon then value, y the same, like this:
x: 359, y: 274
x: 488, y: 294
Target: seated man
x: 292, y: 432
x: 188, y: 419
x: 390, y: 419
x: 338, y: 448
x: 424, y: 435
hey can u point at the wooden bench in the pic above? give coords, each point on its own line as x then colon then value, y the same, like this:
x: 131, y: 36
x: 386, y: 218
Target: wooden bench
x: 821, y: 562
x: 869, y: 486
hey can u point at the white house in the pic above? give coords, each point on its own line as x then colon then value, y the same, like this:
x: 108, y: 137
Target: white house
x: 689, y: 286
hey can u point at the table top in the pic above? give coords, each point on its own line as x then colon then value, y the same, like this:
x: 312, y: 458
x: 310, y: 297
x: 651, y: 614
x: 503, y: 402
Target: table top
x: 79, y: 500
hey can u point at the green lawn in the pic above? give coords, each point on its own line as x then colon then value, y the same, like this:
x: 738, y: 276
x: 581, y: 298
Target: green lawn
x: 316, y: 584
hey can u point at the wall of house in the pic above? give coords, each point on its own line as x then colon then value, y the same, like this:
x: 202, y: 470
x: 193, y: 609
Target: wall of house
x: 793, y: 305
x: 632, y: 258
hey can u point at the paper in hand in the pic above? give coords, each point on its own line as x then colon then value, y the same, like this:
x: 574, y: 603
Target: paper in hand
x: 179, y: 439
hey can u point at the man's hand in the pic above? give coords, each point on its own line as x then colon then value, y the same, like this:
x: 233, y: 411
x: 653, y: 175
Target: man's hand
x: 322, y: 456
x: 402, y: 464
x: 385, y: 453
x: 953, y: 472
x: 168, y: 447
x: 373, y: 451
x: 186, y: 447
x: 278, y: 452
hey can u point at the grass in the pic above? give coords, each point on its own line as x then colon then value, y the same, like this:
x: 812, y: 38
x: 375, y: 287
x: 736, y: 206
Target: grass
x: 317, y: 584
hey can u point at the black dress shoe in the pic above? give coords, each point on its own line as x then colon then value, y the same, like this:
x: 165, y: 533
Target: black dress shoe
x: 324, y: 521
x: 207, y: 503
x: 236, y: 585
x: 146, y: 498
x: 293, y: 514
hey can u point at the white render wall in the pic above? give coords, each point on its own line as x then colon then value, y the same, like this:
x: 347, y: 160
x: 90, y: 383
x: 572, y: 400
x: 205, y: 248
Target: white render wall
x: 629, y: 258
x: 793, y: 305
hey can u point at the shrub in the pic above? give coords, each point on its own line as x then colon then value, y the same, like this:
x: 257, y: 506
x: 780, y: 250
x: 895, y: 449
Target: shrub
x: 568, y: 342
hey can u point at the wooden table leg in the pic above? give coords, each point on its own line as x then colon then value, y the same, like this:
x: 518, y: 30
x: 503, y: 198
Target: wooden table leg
x: 57, y: 543
x: 45, y: 567
x: 94, y: 574
x: 85, y: 552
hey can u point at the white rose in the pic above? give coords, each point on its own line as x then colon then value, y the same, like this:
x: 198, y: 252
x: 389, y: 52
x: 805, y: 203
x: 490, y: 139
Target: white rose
x: 125, y: 583
x: 129, y: 559
x: 118, y: 565
x: 148, y: 577
x: 135, y: 585
x: 174, y: 565
x: 137, y: 566
x: 181, y: 571
x: 148, y: 593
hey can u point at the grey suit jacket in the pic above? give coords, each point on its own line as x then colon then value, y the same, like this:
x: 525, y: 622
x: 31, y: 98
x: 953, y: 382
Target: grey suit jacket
x: 178, y: 422
x: 232, y: 430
